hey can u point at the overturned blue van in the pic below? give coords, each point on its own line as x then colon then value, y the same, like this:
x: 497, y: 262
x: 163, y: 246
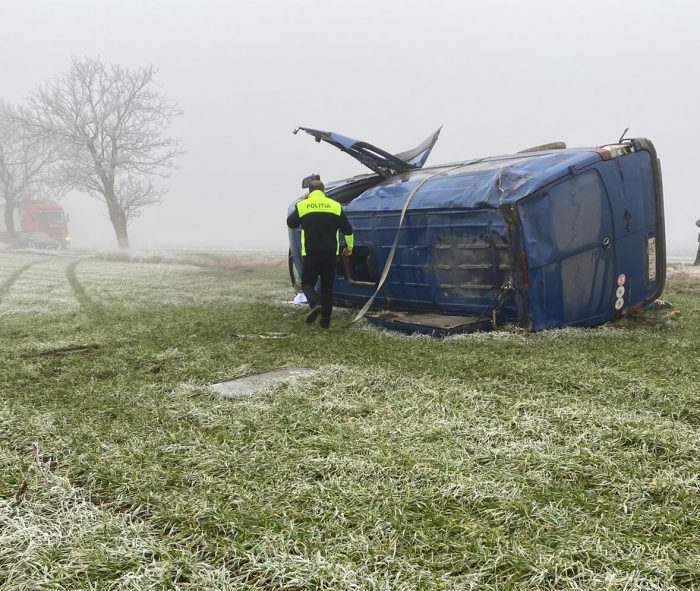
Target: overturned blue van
x: 545, y: 238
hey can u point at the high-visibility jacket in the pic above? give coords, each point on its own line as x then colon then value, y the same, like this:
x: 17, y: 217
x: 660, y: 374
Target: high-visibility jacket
x: 320, y: 219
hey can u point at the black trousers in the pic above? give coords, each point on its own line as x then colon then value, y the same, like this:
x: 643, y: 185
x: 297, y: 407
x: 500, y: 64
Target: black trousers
x: 313, y: 267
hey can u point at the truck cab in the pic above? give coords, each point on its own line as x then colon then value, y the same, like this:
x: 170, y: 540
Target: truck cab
x: 47, y: 217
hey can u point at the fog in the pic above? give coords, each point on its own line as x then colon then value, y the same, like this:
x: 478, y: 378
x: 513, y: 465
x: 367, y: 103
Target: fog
x: 500, y: 76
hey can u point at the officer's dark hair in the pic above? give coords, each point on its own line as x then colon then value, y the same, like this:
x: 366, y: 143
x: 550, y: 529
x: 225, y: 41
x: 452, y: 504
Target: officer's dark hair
x: 316, y: 186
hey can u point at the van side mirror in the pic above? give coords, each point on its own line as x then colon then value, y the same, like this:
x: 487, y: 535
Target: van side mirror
x: 307, y: 180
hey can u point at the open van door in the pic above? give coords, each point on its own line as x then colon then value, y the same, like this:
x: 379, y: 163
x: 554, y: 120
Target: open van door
x: 374, y: 158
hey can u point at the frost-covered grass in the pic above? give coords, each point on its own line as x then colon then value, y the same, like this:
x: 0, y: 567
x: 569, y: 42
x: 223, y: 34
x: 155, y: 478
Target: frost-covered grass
x: 40, y: 289
x: 560, y: 460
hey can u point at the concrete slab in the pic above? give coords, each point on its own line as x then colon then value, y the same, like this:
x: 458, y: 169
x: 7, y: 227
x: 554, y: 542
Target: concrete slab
x: 259, y: 382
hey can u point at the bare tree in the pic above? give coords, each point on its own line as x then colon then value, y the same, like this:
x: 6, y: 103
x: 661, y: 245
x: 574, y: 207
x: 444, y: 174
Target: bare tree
x: 107, y: 124
x: 24, y: 166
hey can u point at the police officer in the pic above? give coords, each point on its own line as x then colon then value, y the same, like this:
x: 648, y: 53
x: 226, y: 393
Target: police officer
x: 320, y: 219
x: 697, y: 256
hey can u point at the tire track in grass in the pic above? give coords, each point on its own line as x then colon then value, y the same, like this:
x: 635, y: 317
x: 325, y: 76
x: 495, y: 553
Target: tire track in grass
x: 86, y: 303
x: 13, y: 277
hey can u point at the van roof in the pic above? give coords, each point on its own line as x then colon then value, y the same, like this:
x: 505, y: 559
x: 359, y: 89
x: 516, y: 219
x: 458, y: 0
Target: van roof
x: 476, y: 184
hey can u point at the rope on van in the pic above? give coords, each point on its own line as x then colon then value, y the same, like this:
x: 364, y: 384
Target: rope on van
x: 392, y: 252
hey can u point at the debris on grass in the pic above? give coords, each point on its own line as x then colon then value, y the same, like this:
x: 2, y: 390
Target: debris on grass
x: 68, y: 350
x: 257, y: 383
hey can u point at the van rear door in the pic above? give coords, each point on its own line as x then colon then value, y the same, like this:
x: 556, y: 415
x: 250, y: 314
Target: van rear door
x: 568, y: 237
x: 630, y: 177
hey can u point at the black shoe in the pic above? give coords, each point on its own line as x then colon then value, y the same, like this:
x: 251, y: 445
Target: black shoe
x: 325, y: 324
x: 311, y: 316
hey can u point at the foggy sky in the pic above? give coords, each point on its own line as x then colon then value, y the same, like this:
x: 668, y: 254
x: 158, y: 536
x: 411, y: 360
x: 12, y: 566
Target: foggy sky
x: 500, y: 76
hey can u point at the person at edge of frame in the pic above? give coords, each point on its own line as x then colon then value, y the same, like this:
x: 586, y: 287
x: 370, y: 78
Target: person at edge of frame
x: 697, y: 256
x: 320, y: 219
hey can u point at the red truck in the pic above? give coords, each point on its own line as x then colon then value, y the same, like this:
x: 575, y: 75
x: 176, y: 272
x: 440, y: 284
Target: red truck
x: 47, y: 217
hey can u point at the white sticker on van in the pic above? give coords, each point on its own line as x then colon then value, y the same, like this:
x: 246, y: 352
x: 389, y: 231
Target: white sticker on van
x: 620, y: 291
x: 619, y: 303
x: 651, y: 257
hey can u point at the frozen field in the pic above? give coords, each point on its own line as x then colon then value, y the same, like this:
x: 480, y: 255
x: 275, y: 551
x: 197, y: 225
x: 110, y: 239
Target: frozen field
x: 507, y: 460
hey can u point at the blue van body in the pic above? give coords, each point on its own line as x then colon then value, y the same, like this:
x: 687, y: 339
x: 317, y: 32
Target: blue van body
x: 545, y: 239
